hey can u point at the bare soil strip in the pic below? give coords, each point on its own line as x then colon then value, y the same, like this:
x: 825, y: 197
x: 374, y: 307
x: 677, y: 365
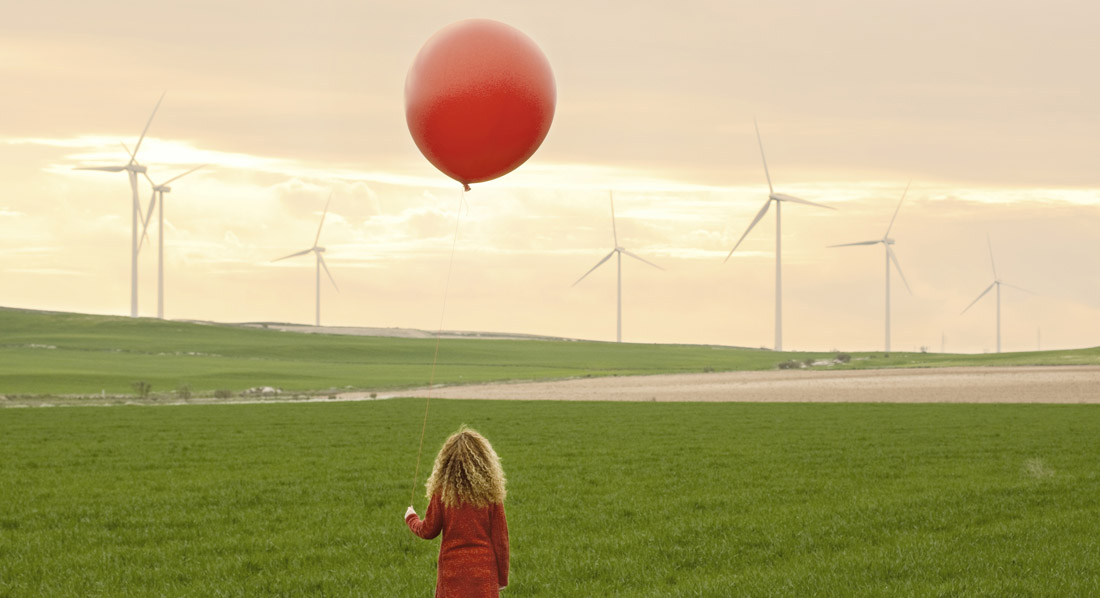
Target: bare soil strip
x: 1061, y: 384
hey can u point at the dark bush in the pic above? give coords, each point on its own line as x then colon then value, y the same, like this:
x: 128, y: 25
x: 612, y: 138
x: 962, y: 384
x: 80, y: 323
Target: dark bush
x: 142, y: 388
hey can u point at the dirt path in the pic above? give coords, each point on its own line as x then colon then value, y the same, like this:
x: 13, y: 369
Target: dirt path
x: 1062, y: 384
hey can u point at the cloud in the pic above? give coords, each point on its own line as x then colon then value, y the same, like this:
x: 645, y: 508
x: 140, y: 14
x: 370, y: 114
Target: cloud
x: 50, y: 272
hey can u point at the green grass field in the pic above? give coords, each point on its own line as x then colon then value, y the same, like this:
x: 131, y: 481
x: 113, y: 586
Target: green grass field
x: 43, y: 353
x: 605, y: 499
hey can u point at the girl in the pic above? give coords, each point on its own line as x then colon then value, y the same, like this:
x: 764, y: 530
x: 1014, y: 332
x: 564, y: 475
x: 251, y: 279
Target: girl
x: 466, y: 494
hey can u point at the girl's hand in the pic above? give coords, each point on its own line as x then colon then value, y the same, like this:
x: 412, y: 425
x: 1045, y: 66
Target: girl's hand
x: 410, y: 511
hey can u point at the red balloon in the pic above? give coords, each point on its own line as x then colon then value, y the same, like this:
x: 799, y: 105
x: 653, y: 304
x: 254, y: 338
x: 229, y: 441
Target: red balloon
x: 479, y: 99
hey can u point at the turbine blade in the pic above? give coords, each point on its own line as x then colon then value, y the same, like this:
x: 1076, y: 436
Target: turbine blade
x: 762, y: 158
x: 792, y: 199
x: 860, y: 243
x: 146, y: 219
x: 598, y: 264
x: 897, y: 209
x: 321, y: 258
x: 987, y: 289
x: 1020, y: 288
x: 102, y: 168
x: 318, y: 237
x: 991, y: 261
x: 133, y: 156
x: 614, y: 231
x: 641, y: 259
x: 894, y: 258
x: 128, y: 152
x: 148, y: 178
x: 759, y: 215
x: 180, y: 176
x: 133, y: 192
x: 303, y: 252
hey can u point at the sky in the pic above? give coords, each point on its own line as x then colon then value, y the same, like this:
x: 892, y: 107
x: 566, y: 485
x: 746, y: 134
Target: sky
x: 986, y: 109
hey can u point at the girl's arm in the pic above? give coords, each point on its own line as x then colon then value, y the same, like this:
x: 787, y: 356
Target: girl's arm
x: 432, y: 524
x: 500, y: 542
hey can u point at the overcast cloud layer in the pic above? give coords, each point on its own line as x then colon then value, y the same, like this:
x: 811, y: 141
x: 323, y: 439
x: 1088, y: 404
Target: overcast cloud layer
x: 989, y: 108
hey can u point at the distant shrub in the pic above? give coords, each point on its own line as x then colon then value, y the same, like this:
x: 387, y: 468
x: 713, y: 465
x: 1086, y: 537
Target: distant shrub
x: 790, y: 364
x: 843, y: 357
x: 142, y: 388
x: 809, y: 362
x: 708, y: 370
x: 923, y: 348
x: 222, y: 393
x: 374, y: 395
x: 183, y: 391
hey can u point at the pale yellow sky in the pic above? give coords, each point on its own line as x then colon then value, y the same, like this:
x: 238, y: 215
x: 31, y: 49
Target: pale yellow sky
x: 988, y: 107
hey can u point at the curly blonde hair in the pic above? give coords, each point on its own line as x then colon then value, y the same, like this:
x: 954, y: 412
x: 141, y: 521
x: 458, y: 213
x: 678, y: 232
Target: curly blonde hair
x: 467, y: 470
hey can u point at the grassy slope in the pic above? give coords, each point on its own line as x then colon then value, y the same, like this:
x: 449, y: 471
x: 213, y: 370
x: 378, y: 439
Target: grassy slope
x: 605, y: 499
x: 88, y: 354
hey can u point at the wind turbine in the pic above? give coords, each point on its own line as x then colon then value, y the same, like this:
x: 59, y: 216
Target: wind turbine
x: 890, y: 257
x: 132, y: 169
x: 997, y: 282
x: 157, y: 201
x: 778, y: 198
x: 618, y: 251
x: 317, y: 251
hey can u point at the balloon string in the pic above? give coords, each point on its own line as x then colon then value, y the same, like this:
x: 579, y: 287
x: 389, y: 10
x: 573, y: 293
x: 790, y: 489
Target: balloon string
x: 435, y: 356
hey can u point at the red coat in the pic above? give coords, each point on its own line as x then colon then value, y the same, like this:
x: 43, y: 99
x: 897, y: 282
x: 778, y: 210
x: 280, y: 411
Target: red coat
x: 473, y: 556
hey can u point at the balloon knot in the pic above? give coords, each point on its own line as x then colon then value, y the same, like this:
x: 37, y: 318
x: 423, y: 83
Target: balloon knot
x: 465, y: 187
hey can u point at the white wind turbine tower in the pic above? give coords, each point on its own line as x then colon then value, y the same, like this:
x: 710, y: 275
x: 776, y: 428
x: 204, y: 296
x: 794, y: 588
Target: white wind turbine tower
x: 157, y: 201
x: 997, y: 282
x: 778, y: 198
x: 132, y: 169
x: 890, y: 257
x: 618, y: 251
x: 317, y: 251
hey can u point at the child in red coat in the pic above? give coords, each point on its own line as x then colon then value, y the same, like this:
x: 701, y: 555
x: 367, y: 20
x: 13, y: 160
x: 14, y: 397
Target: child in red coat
x: 466, y: 493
